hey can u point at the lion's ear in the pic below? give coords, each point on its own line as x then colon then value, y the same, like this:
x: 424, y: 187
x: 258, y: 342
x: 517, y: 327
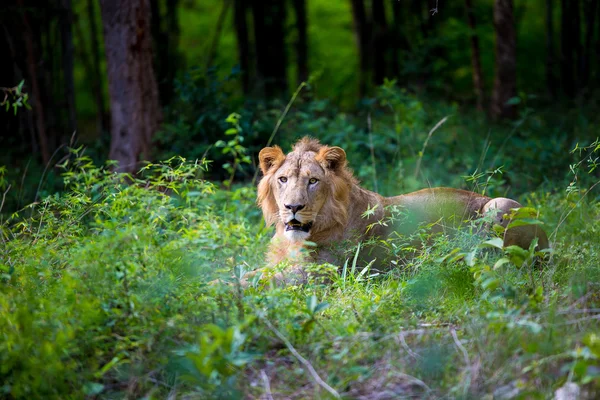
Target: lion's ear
x: 333, y: 158
x: 270, y: 156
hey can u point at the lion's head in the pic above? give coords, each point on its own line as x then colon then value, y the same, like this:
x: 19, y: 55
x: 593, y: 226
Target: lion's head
x: 306, y: 191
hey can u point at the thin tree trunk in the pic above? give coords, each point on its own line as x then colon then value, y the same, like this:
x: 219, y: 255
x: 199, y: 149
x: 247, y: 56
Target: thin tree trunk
x: 475, y: 56
x: 269, y: 37
x: 380, y: 48
x: 35, y: 89
x: 212, y: 52
x: 68, y: 63
x: 396, y: 43
x: 576, y: 43
x: 135, y: 110
x: 302, y: 43
x: 379, y: 41
x: 505, y: 81
x: 550, y: 78
x: 172, y: 51
x: 159, y: 46
x: 165, y: 35
x: 597, y: 51
x: 589, y: 35
x: 566, y: 48
x: 362, y: 30
x: 417, y: 10
x: 278, y: 56
x: 260, y: 42
x: 97, y: 78
x: 243, y: 44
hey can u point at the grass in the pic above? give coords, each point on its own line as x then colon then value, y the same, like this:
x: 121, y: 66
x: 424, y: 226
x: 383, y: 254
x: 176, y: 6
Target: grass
x: 104, y: 293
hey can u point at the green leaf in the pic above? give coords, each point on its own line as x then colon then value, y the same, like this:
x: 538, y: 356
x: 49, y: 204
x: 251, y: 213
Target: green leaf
x: 20, y: 87
x: 491, y: 284
x: 365, y: 269
x: 524, y: 222
x: 523, y: 212
x: 592, y: 341
x: 311, y: 304
x: 470, y: 258
x: 513, y: 101
x: 107, y: 367
x: 534, y: 327
x: 501, y: 262
x: 517, y: 255
x: 320, y: 307
x: 92, y: 388
x: 353, y: 269
x: 494, y: 242
x: 445, y: 258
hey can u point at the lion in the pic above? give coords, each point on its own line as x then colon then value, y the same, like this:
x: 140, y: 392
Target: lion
x: 312, y: 198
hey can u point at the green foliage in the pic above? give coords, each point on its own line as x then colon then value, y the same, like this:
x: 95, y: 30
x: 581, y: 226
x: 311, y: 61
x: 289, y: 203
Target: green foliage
x: 233, y: 147
x: 15, y: 98
x: 216, y: 360
x: 99, y: 277
x: 199, y: 115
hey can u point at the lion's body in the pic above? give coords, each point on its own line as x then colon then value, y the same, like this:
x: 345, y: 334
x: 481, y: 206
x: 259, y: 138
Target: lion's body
x: 310, y: 195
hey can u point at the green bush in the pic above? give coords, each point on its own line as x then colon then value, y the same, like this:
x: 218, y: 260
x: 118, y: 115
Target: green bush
x: 99, y: 282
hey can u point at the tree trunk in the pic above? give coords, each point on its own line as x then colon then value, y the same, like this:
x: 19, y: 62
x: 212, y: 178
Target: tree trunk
x: 302, y: 43
x: 396, y: 43
x: 165, y: 36
x: 243, y: 45
x: 379, y: 41
x: 505, y: 81
x: 566, y: 48
x: 36, y: 91
x: 269, y: 36
x: 417, y: 11
x: 68, y: 63
x: 174, y: 58
x: 97, y: 76
x: 597, y: 54
x: 576, y: 43
x: 159, y: 44
x: 212, y: 52
x: 135, y: 110
x: 551, y: 81
x: 589, y: 35
x: 475, y: 56
x: 362, y: 31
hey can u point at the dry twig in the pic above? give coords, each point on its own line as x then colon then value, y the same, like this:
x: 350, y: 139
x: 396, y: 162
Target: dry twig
x: 267, y: 384
x: 466, y: 359
x: 302, y: 360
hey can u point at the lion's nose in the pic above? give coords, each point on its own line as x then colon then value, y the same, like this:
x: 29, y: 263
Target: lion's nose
x: 294, y: 207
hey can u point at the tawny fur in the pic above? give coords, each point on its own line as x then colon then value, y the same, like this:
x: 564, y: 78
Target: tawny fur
x: 336, y: 204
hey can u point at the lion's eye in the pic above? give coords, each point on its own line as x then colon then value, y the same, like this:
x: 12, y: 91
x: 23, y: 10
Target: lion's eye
x: 282, y: 179
x: 312, y: 181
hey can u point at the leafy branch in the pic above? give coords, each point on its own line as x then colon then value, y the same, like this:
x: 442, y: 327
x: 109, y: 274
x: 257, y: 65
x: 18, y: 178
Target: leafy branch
x: 15, y: 97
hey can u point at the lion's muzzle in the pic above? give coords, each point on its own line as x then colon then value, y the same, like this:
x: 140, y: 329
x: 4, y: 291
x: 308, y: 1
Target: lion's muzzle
x: 295, y: 225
